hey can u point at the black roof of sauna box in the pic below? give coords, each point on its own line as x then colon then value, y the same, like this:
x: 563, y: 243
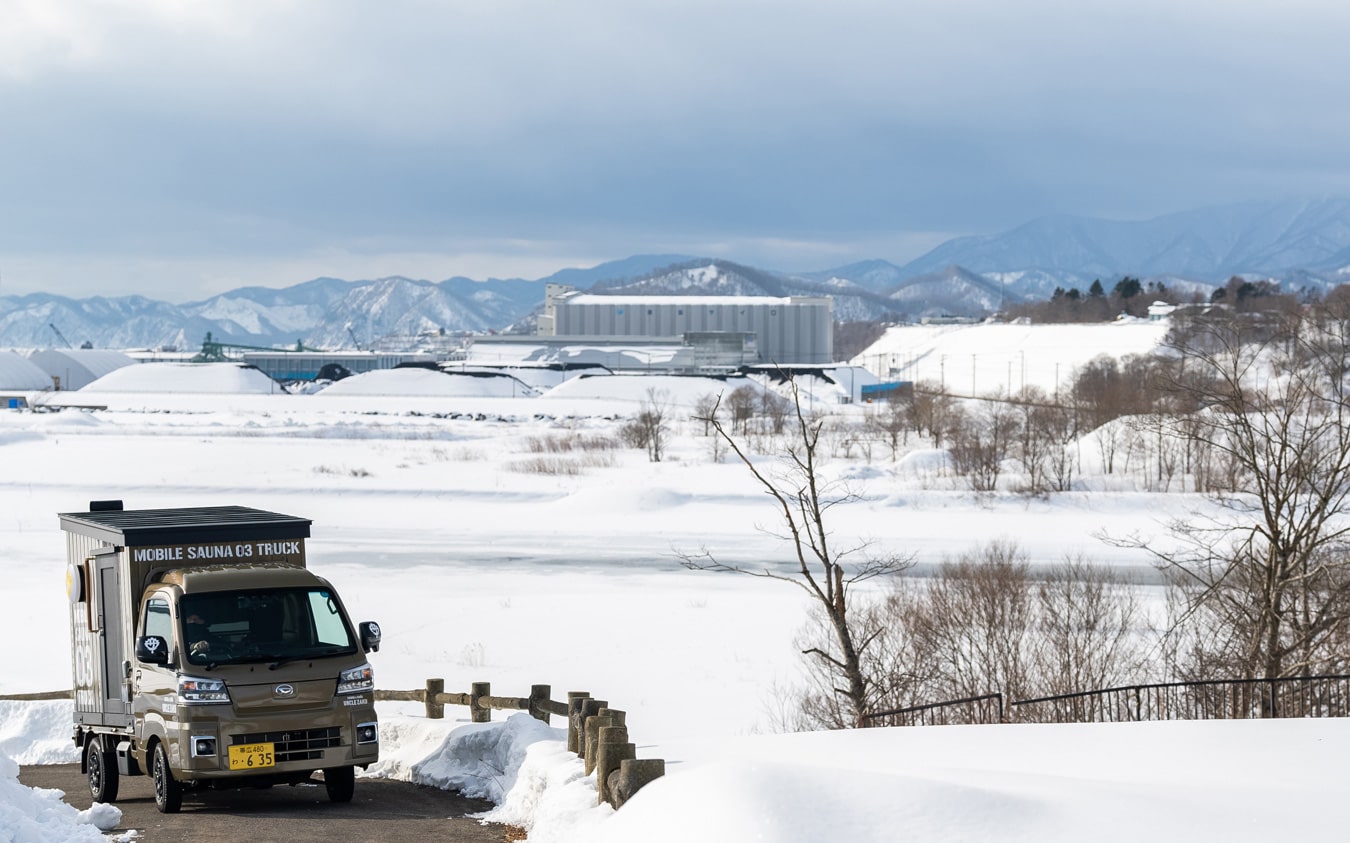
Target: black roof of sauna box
x: 148, y: 527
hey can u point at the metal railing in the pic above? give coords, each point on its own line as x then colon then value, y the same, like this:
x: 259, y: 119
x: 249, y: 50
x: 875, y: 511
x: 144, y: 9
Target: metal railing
x: 1213, y: 699
x: 983, y: 709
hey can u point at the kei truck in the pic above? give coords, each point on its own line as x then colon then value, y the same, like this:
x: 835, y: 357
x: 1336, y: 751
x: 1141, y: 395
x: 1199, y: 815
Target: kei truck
x: 206, y: 655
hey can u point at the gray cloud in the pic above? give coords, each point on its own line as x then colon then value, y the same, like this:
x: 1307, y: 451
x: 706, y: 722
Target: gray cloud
x: 199, y: 145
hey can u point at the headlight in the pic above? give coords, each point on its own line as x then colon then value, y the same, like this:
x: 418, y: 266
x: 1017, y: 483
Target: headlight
x: 197, y: 690
x: 356, y: 680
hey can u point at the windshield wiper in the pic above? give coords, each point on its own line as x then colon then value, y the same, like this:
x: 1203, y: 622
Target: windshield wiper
x: 331, y: 651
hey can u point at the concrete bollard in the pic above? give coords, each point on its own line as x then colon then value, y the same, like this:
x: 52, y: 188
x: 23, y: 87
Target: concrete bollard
x: 634, y: 774
x: 610, y: 751
x: 575, y: 700
x: 435, y: 711
x: 594, y: 724
x: 479, y: 713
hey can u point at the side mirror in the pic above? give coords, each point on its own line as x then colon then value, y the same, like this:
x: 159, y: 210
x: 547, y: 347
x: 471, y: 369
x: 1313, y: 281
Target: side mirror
x: 152, y: 649
x: 370, y: 636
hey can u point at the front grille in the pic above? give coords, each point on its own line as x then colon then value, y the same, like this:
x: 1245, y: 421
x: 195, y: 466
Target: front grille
x: 295, y: 744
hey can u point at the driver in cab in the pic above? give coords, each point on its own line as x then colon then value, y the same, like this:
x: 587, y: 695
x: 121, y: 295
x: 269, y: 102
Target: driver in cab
x: 198, y: 634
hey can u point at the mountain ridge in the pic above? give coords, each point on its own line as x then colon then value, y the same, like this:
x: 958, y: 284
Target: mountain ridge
x: 1301, y: 243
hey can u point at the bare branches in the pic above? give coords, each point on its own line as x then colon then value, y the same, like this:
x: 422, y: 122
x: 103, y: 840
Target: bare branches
x: 802, y: 497
x: 1265, y: 571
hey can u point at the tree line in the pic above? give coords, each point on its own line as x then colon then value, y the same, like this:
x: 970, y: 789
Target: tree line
x: 1246, y: 408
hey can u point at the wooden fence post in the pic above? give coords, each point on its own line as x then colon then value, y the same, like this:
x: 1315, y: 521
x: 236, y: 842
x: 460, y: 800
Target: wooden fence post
x: 539, y: 694
x: 633, y: 775
x: 435, y: 710
x: 575, y: 700
x: 590, y: 707
x: 594, y: 724
x: 612, y: 748
x: 479, y: 713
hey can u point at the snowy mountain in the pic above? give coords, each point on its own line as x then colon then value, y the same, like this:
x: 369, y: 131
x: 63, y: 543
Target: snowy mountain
x: 952, y: 292
x: 404, y: 307
x: 1303, y: 245
x: 710, y: 277
x: 1267, y: 239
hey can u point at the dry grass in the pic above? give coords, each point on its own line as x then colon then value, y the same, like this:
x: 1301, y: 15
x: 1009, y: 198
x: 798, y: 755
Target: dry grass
x: 569, y: 443
x: 562, y: 466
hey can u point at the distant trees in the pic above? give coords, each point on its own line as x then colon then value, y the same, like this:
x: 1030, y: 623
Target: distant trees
x: 987, y: 621
x: 1129, y: 295
x: 1265, y: 571
x: 650, y: 428
x: 853, y: 338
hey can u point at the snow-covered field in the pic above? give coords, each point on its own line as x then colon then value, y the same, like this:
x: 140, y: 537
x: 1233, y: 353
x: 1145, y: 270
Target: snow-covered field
x: 486, y: 556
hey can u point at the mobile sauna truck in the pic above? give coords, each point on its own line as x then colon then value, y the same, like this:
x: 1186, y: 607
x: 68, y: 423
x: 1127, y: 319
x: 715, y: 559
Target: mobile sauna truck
x: 206, y: 655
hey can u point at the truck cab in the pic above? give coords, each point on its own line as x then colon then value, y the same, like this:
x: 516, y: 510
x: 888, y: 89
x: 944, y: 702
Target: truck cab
x: 206, y: 654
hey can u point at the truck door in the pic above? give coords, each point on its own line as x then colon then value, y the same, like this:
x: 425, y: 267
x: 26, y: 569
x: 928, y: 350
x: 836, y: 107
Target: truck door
x: 154, y: 686
x: 113, y: 649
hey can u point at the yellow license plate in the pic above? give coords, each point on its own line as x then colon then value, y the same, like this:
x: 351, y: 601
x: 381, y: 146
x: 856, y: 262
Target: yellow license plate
x: 252, y: 756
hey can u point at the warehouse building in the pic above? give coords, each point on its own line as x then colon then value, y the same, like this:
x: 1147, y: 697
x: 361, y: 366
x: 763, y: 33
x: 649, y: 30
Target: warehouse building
x: 796, y: 330
x: 328, y: 365
x: 76, y: 368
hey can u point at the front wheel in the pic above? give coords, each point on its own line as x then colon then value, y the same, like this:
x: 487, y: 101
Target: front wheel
x: 340, y: 783
x: 101, y: 767
x: 168, y: 792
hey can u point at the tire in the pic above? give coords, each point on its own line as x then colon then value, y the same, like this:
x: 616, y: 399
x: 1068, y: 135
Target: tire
x: 340, y: 783
x: 101, y: 767
x: 168, y: 792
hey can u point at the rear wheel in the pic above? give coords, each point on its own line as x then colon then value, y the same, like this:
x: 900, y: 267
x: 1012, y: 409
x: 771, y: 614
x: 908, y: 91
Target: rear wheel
x: 340, y: 782
x: 101, y: 767
x: 168, y: 792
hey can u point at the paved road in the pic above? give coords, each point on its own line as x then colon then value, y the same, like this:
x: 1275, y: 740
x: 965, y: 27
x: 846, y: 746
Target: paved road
x: 381, y: 810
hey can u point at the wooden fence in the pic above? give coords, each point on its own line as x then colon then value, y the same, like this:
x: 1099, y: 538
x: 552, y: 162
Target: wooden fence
x: 597, y: 733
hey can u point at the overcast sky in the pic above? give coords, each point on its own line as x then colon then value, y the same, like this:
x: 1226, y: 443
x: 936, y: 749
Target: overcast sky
x: 179, y: 148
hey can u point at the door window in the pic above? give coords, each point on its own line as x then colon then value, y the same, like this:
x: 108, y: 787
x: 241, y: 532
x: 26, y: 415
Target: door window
x: 157, y: 620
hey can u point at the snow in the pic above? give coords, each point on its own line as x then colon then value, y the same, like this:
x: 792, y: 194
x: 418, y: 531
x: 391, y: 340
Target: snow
x: 39, y: 815
x: 429, y: 518
x: 985, y: 359
x: 228, y: 378
x: 426, y: 382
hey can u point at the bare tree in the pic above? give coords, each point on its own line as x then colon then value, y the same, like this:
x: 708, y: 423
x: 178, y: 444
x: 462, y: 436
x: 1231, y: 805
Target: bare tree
x: 987, y: 623
x: 803, y: 497
x: 705, y: 408
x: 978, y: 622
x: 931, y: 412
x: 741, y: 404
x: 980, y: 444
x: 1087, y: 621
x: 650, y: 427
x: 1265, y: 571
x: 891, y: 421
x: 1037, y: 437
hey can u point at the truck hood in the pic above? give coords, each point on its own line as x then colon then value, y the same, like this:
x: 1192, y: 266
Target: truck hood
x: 310, y: 683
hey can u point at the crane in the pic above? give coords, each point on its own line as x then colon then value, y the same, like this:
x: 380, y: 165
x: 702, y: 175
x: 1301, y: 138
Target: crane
x: 352, y: 334
x: 60, y: 336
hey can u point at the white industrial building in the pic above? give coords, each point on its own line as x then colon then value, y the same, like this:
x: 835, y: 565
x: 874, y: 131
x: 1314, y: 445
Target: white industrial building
x: 76, y: 368
x: 721, y: 330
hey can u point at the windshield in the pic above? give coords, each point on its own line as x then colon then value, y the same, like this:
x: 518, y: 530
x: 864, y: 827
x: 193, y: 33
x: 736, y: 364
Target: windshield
x: 278, y: 625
